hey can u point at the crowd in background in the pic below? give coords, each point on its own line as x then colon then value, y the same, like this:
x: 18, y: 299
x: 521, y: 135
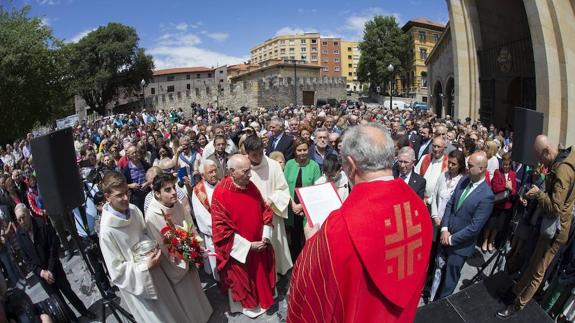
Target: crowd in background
x: 432, y: 156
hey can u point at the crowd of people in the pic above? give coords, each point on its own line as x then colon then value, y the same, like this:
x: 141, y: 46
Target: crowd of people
x: 234, y: 175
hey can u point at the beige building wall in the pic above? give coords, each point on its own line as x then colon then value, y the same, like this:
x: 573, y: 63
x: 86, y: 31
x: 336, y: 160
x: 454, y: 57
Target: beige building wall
x: 350, y: 54
x: 552, y: 29
x: 304, y: 47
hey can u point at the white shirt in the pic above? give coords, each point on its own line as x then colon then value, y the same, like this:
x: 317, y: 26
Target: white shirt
x: 431, y: 176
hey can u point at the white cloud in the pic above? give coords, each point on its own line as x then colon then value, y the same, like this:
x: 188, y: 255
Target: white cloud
x: 355, y: 23
x: 288, y: 30
x: 45, y: 21
x: 182, y: 26
x: 181, y: 56
x: 80, y: 35
x: 219, y: 37
x: 177, y: 48
x: 48, y: 2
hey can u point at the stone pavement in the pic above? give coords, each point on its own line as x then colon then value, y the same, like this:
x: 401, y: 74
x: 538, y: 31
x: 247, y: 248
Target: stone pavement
x: 87, y: 291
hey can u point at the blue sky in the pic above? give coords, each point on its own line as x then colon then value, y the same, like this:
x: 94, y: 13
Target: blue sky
x: 208, y: 33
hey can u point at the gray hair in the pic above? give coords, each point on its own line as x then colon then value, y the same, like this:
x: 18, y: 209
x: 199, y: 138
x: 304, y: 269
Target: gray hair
x: 322, y: 129
x: 407, y: 151
x: 278, y: 121
x: 20, y: 206
x: 370, y: 153
x: 204, y: 164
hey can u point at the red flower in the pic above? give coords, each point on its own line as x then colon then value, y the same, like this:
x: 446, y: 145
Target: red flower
x: 174, y: 241
x: 164, y: 230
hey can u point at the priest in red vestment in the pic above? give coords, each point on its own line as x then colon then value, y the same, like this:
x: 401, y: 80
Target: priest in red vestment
x: 368, y: 261
x: 241, y: 228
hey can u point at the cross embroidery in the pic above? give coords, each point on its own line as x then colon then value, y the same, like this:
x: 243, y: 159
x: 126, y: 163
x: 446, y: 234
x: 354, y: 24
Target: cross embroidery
x: 404, y: 242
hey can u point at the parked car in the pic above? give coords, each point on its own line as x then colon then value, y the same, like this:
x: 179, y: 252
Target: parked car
x: 420, y: 106
x: 396, y: 104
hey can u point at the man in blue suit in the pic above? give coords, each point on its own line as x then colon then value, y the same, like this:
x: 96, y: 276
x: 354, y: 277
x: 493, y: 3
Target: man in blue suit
x: 465, y: 215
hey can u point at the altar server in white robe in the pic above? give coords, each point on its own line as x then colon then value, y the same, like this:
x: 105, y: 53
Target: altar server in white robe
x: 201, y: 202
x: 143, y: 285
x: 268, y: 177
x: 184, y: 278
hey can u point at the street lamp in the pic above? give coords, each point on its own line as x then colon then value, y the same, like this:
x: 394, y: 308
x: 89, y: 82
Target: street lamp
x: 390, y: 69
x: 143, y: 84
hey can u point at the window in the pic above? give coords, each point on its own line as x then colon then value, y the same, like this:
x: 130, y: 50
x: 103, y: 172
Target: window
x: 152, y: 90
x: 282, y: 42
x: 303, y: 49
x: 314, y: 49
x: 291, y: 42
x: 324, y: 43
x: 335, y: 43
x: 422, y: 36
x: 303, y: 41
x: 304, y: 57
x: 170, y: 88
x: 314, y: 58
x: 336, y: 60
x: 336, y: 68
x: 314, y: 41
x: 436, y: 37
x: 197, y: 91
x: 423, y: 53
x: 292, y: 57
x: 221, y: 72
x: 349, y: 49
x: 188, y: 86
x: 325, y: 69
x: 209, y: 74
x: 349, y: 65
x: 188, y: 76
x: 325, y: 60
x: 282, y: 51
x: 197, y: 76
x: 170, y: 78
x: 324, y: 51
x: 348, y: 56
x: 350, y: 74
x: 336, y: 51
x: 292, y: 50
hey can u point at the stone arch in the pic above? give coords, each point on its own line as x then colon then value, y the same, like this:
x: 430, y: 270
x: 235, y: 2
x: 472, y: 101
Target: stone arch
x: 438, y: 98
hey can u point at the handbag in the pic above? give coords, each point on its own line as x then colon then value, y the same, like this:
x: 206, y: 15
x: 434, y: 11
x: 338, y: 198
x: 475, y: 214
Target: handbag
x: 500, y: 197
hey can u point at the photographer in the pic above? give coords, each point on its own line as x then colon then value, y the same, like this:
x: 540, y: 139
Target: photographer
x: 87, y: 230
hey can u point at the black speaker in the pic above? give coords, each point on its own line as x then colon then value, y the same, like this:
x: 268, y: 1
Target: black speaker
x: 527, y: 125
x: 59, y: 180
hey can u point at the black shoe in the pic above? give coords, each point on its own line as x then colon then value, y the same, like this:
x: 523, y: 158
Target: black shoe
x: 89, y: 315
x: 508, y: 312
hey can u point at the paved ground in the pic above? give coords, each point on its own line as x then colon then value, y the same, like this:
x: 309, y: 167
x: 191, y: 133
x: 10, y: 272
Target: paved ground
x: 86, y: 289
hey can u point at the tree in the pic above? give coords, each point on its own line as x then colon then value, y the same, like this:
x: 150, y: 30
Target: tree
x: 107, y: 63
x: 383, y: 43
x: 33, y: 82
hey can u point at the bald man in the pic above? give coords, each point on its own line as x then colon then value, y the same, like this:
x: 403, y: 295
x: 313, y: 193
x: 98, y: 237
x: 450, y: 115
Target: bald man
x: 557, y: 203
x: 465, y: 215
x: 241, y: 232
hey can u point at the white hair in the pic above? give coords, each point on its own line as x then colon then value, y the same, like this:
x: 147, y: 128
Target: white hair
x: 20, y: 206
x: 407, y: 151
x: 205, y: 163
x: 369, y: 155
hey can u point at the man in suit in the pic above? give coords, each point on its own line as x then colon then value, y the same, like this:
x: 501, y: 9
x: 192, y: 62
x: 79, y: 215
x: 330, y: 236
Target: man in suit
x: 465, y: 215
x: 40, y: 249
x: 405, y: 162
x: 220, y: 156
x: 423, y: 143
x: 280, y: 140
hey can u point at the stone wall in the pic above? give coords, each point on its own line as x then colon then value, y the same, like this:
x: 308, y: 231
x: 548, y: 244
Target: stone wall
x: 264, y: 92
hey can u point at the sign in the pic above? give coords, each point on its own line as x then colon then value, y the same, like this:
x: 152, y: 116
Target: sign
x: 69, y: 121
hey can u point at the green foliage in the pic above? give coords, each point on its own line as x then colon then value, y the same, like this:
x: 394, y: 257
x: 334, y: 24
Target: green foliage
x: 383, y: 43
x: 108, y: 63
x: 33, y: 82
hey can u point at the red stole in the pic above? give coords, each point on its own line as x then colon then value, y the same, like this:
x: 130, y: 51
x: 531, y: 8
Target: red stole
x: 427, y: 161
x: 243, y: 211
x: 200, y: 191
x: 369, y: 260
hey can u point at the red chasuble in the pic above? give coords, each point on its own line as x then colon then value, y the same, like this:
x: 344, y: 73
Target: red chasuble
x: 368, y: 261
x: 243, y: 211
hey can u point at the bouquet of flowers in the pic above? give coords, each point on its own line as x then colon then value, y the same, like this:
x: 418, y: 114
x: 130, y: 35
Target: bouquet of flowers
x: 182, y: 242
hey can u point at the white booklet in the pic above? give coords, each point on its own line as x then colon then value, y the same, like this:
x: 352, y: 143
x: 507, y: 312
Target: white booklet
x: 318, y: 202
